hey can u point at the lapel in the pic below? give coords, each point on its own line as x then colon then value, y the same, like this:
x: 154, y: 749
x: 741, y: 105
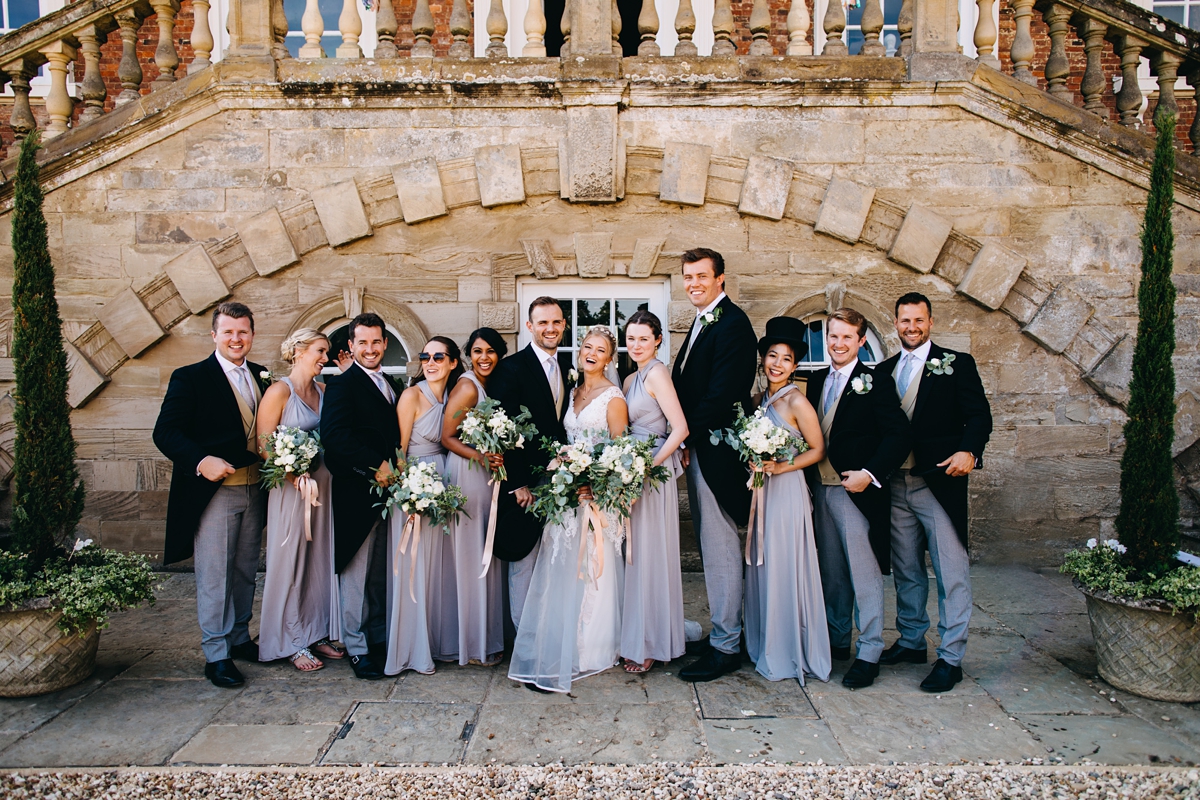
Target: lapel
x: 926, y: 386
x: 369, y: 386
x: 828, y: 422
x: 534, y: 363
x: 704, y: 329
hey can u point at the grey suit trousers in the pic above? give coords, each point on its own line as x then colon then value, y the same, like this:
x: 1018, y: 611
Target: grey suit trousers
x: 228, y: 542
x: 721, y: 555
x: 918, y: 521
x: 850, y: 576
x: 362, y: 587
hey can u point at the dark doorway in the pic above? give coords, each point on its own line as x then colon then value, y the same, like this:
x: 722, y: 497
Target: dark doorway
x: 554, y: 38
x: 630, y: 38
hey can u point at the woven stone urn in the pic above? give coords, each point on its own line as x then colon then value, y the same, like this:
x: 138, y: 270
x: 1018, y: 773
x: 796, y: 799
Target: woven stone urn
x: 36, y: 657
x: 1144, y: 649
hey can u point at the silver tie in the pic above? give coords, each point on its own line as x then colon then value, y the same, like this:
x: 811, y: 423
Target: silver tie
x: 243, y: 384
x: 555, y: 382
x: 906, y: 372
x: 834, y: 389
x: 383, y: 387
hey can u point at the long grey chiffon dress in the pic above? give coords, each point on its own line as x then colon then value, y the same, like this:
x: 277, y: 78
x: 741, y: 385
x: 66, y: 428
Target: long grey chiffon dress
x: 480, y: 612
x: 423, y: 630
x: 786, y: 632
x: 652, y: 617
x: 300, y: 604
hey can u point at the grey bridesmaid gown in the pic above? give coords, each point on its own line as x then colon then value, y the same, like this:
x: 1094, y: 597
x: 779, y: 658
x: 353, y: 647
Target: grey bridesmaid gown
x: 786, y: 633
x: 480, y: 612
x: 300, y: 604
x: 652, y: 620
x: 424, y: 630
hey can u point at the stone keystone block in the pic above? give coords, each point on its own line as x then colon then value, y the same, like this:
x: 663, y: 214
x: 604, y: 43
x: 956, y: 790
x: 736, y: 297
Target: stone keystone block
x: 501, y: 316
x: 130, y: 323
x: 341, y: 212
x: 684, y: 173
x: 765, y: 187
x: 84, y: 381
x: 1060, y: 319
x: 593, y: 254
x: 419, y: 187
x: 267, y: 242
x: 501, y: 179
x: 844, y: 210
x: 645, y: 257
x: 920, y: 239
x: 991, y: 275
x: 540, y: 258
x: 196, y: 279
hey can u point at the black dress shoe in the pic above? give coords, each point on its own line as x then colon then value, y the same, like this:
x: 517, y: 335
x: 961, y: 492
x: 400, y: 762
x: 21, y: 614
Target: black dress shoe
x: 860, y: 675
x: 840, y: 653
x: 246, y: 651
x: 365, y: 667
x: 942, y: 678
x: 697, y: 648
x: 711, y: 666
x: 533, y: 687
x: 223, y: 674
x: 896, y: 654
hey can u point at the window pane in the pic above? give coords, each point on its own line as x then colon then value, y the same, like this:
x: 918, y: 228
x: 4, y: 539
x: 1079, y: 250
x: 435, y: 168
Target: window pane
x: 591, y: 312
x: 625, y: 309
x: 891, y: 12
x: 1173, y: 13
x: 568, y: 307
x: 814, y: 337
x: 854, y: 41
x: 22, y: 12
x: 854, y: 15
x: 866, y: 354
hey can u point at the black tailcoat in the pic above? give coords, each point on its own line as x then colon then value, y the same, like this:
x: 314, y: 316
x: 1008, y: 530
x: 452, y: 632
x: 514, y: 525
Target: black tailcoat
x: 951, y: 415
x: 720, y: 369
x: 519, y: 380
x: 359, y: 431
x: 869, y: 432
x: 199, y: 417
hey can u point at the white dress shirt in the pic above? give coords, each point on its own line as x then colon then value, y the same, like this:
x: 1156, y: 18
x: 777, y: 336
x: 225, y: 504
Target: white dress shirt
x: 845, y: 373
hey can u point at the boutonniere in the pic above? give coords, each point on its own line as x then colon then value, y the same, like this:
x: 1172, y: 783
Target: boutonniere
x: 861, y: 384
x: 940, y: 366
x: 709, y: 317
x: 572, y: 376
x: 266, y: 378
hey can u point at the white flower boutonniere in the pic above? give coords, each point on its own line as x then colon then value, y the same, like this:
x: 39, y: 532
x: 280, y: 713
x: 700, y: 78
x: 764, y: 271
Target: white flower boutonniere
x: 940, y: 366
x: 861, y: 384
x: 572, y: 376
x: 709, y: 317
x: 266, y: 378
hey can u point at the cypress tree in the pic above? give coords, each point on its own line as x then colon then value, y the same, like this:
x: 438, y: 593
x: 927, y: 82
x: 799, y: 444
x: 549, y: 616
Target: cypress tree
x: 1148, y: 523
x: 48, y: 501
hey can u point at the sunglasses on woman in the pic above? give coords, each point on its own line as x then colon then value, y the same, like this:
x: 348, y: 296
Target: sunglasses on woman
x: 438, y: 357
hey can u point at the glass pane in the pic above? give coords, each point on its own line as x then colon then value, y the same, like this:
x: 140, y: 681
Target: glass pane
x: 589, y: 313
x: 625, y: 309
x: 891, y: 12
x: 1173, y: 13
x: 568, y: 307
x: 854, y: 15
x: 854, y: 41
x: 866, y: 354
x: 814, y: 337
x: 22, y: 12
x: 329, y: 43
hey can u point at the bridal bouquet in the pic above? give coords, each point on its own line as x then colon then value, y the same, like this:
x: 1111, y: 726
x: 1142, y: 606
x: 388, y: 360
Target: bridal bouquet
x: 290, y: 452
x: 621, y: 470
x: 552, y: 500
x: 757, y: 440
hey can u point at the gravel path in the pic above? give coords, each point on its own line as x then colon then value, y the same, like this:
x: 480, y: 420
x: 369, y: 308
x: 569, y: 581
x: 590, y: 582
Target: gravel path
x: 658, y: 781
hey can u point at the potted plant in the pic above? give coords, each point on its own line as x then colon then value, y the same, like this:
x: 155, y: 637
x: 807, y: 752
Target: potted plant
x: 55, y: 591
x: 1142, y: 599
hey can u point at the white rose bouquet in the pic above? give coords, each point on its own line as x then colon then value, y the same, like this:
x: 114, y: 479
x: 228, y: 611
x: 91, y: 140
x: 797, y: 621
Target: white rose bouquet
x: 291, y: 452
x: 488, y: 429
x: 621, y: 471
x: 552, y: 500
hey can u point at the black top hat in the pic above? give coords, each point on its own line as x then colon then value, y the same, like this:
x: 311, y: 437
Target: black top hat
x: 788, y: 330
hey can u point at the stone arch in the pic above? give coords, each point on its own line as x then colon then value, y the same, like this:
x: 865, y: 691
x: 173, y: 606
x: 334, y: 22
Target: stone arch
x: 353, y: 301
x: 836, y: 296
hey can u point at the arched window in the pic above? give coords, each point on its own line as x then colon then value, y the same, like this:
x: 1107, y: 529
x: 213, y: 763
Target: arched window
x: 395, y: 360
x: 817, y: 356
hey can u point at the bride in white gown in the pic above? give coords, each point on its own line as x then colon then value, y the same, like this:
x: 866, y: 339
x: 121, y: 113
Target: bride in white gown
x: 571, y: 627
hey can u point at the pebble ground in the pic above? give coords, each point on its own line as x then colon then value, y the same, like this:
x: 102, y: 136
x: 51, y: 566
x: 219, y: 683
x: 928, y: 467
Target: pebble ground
x: 654, y: 781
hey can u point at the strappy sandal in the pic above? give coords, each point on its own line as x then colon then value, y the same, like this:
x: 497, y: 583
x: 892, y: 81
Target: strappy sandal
x: 304, y: 652
x: 634, y: 668
x: 335, y: 651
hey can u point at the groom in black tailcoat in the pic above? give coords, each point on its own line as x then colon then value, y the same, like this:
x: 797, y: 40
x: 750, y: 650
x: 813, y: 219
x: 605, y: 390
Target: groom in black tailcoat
x: 534, y: 377
x: 714, y: 371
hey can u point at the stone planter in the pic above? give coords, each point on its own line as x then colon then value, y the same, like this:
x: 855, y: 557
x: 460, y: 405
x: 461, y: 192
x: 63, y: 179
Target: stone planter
x: 1143, y: 649
x: 36, y: 657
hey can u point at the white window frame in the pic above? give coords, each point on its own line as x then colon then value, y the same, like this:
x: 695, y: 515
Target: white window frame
x: 39, y: 85
x: 873, y: 342
x: 397, y: 371
x: 657, y: 292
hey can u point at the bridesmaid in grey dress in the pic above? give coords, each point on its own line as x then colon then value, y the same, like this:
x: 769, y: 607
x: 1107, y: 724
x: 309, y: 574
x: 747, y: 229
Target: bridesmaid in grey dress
x: 299, y: 607
x: 652, y: 618
x: 422, y: 619
x: 786, y: 633
x: 480, y: 600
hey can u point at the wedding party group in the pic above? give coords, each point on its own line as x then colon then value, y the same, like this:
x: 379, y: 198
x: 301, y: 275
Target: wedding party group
x: 526, y: 505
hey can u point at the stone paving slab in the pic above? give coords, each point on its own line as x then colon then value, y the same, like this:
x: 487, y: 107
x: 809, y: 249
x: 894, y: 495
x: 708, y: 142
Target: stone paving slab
x: 1024, y: 681
x: 778, y: 740
x: 744, y: 694
x: 256, y: 744
x: 276, y: 703
x: 403, y: 733
x: 1108, y: 740
x: 1181, y: 721
x: 449, y: 684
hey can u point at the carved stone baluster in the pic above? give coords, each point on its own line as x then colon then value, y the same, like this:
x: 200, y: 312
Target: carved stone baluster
x: 985, y: 35
x: 1023, y: 50
x: 648, y: 29
x: 760, y: 29
x: 59, y: 104
x: 129, y: 70
x: 722, y: 23
x: 1058, y: 68
x: 904, y: 26
x: 460, y: 31
x: 202, y: 38
x: 166, y: 58
x: 1129, y: 99
x: 21, y: 120
x: 564, y: 26
x: 93, y: 91
x: 798, y: 23
x: 422, y: 25
x: 535, y: 30
x: 1094, y: 80
x: 833, y: 24
x: 385, y: 30
x: 1193, y: 79
x: 685, y: 26
x: 1166, y: 69
x: 279, y: 31
x: 872, y: 27
x: 350, y: 26
x: 616, y: 29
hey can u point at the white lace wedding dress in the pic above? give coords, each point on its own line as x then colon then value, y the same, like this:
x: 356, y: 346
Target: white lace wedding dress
x: 571, y: 626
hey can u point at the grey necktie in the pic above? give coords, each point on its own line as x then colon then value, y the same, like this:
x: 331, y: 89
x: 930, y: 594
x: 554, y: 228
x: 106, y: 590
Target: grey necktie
x: 832, y: 390
x: 555, y: 383
x: 906, y: 373
x: 383, y: 386
x: 243, y: 385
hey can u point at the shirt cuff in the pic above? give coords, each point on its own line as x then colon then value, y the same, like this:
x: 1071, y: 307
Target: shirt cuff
x: 874, y: 482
